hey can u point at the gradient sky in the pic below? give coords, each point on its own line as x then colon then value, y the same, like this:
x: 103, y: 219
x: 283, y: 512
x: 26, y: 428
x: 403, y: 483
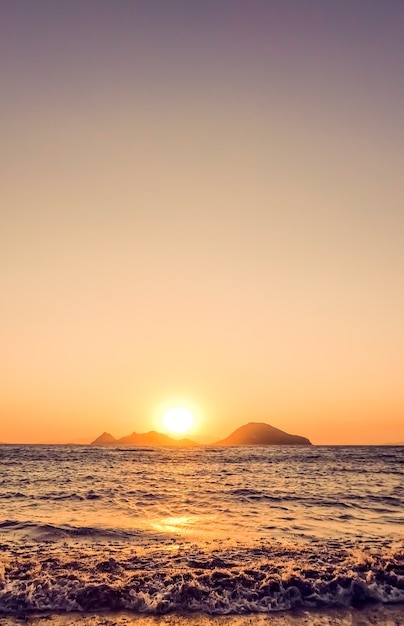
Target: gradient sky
x: 202, y: 202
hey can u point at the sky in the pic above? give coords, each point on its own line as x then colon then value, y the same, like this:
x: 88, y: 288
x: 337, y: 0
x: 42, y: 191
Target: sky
x: 202, y: 204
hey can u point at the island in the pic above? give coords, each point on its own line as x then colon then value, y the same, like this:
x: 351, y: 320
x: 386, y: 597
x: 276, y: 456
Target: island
x: 260, y: 434
x: 151, y: 438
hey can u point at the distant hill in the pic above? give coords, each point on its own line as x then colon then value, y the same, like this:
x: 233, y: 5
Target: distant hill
x: 260, y: 434
x: 151, y: 438
x: 103, y: 440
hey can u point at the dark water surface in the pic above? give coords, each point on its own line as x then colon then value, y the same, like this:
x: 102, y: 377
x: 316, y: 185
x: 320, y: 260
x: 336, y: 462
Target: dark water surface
x: 210, y: 530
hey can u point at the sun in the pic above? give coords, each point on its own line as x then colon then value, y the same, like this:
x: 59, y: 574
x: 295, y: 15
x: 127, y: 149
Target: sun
x: 178, y: 419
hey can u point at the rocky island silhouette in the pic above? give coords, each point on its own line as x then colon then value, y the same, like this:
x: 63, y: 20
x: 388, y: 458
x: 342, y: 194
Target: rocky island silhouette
x: 251, y: 434
x: 261, y: 434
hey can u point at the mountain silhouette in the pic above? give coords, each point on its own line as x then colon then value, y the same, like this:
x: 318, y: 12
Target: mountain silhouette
x: 252, y: 434
x: 260, y: 434
x: 104, y: 439
x: 151, y: 438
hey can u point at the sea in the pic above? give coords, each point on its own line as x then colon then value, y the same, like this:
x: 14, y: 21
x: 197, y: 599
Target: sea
x: 206, y: 531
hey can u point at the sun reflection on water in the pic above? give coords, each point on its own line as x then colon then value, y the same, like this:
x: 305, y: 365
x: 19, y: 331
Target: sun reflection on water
x: 178, y: 525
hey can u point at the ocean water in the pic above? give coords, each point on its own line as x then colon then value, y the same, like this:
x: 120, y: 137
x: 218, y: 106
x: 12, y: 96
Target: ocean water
x: 210, y: 530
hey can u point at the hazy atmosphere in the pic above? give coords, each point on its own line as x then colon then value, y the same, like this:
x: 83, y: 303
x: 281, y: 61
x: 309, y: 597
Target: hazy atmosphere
x: 202, y: 204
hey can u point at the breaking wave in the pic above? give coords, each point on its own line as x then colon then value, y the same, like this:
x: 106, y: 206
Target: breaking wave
x: 216, y: 583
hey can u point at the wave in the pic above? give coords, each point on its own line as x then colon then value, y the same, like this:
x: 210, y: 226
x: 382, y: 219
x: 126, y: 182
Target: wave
x: 214, y: 583
x: 52, y: 496
x: 57, y: 532
x: 342, y: 500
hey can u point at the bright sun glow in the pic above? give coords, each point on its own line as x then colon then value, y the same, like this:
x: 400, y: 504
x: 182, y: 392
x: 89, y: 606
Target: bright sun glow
x: 178, y: 419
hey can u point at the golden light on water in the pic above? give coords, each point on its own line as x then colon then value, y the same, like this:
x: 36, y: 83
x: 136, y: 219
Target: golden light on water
x: 177, y: 525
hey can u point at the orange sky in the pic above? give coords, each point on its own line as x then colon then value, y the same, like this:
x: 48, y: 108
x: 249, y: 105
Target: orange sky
x: 205, y: 207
